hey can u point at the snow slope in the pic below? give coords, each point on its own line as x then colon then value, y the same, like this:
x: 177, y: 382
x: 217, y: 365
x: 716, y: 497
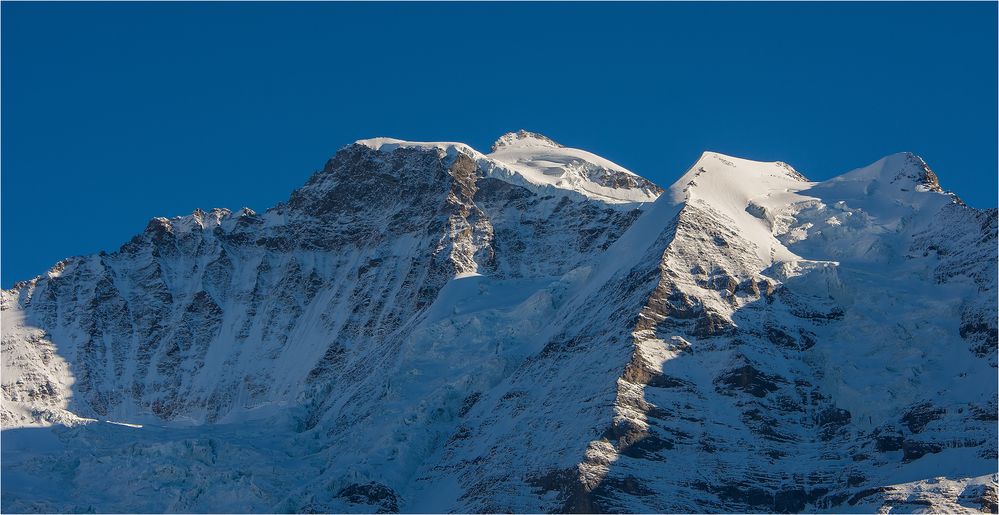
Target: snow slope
x: 425, y: 328
x: 539, y: 160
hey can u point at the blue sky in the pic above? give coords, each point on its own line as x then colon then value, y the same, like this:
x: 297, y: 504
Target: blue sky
x: 114, y: 113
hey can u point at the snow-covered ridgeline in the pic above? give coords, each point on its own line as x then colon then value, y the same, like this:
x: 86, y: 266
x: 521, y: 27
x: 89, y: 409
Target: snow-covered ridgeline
x: 423, y: 327
x: 542, y: 165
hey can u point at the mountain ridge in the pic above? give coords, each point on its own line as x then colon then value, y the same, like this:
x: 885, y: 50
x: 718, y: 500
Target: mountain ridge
x: 422, y: 327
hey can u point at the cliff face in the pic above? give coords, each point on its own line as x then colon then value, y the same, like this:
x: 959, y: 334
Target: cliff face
x: 422, y: 327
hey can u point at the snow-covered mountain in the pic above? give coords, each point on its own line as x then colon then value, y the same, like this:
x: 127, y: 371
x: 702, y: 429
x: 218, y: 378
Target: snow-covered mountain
x: 424, y: 327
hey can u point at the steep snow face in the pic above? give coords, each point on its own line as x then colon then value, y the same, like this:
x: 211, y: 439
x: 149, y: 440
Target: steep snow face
x: 425, y: 328
x: 740, y: 192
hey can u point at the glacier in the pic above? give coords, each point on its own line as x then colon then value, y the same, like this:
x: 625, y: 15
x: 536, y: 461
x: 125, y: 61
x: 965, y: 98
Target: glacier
x: 423, y: 327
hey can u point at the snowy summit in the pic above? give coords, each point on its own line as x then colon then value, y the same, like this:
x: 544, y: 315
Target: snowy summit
x: 540, y: 164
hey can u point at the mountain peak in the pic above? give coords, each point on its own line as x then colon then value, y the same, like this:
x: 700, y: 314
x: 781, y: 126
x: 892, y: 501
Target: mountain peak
x: 522, y: 139
x: 907, y: 168
x: 901, y: 177
x: 537, y: 162
x: 720, y: 175
x: 533, y: 160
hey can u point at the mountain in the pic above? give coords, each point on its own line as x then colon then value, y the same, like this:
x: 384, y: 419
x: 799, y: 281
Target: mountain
x: 425, y: 328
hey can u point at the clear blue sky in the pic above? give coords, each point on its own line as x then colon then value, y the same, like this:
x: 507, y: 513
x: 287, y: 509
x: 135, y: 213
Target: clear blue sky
x: 113, y: 113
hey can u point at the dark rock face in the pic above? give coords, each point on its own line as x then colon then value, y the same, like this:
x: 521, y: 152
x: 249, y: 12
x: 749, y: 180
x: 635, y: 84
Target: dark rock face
x: 832, y: 420
x: 371, y: 495
x: 920, y: 415
x: 749, y: 380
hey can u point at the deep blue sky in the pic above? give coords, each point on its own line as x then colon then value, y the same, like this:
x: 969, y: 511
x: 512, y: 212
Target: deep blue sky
x: 114, y: 113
